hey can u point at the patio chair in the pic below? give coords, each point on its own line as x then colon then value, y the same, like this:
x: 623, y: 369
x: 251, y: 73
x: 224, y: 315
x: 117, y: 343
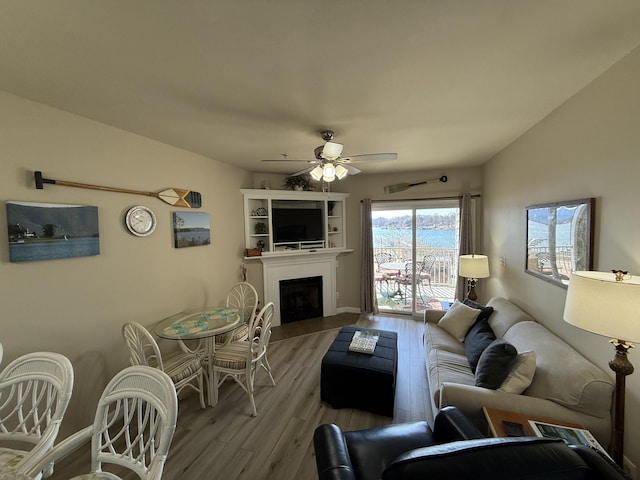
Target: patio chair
x: 133, y: 427
x: 405, y: 279
x: 425, y: 273
x: 384, y: 275
x: 184, y: 369
x: 241, y: 360
x: 35, y: 390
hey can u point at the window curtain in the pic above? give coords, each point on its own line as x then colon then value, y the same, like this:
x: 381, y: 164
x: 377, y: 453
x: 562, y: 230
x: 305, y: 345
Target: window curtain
x: 466, y: 242
x: 368, y: 300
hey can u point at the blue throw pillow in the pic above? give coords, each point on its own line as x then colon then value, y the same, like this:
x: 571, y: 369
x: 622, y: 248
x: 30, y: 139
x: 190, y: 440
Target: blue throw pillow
x: 478, y: 338
x: 495, y: 364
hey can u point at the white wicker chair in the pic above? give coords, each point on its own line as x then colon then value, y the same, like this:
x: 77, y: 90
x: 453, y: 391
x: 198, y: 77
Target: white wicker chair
x: 244, y: 298
x: 133, y: 427
x: 35, y: 390
x: 242, y: 359
x: 184, y: 369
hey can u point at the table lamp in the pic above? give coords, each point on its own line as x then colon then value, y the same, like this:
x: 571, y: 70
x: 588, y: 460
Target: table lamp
x: 608, y: 303
x: 473, y: 267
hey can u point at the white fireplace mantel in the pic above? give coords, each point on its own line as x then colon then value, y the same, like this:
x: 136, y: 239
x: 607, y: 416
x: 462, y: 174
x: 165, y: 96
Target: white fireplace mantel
x: 279, y: 267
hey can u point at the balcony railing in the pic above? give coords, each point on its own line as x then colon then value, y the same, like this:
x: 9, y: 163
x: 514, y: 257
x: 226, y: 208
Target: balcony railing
x: 435, y: 294
x: 444, y: 270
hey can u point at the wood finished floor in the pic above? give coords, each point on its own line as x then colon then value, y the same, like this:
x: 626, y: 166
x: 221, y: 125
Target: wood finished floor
x: 226, y: 443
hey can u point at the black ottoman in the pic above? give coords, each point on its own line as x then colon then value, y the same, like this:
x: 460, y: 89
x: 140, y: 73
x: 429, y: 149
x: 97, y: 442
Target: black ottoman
x: 360, y: 380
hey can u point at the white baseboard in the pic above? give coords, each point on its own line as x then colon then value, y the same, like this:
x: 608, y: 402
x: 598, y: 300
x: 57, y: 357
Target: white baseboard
x: 347, y: 310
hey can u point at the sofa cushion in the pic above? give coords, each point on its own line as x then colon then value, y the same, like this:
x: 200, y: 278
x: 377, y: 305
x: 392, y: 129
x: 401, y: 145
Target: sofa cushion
x: 444, y: 367
x: 478, y: 338
x: 495, y: 363
x: 439, y: 339
x: 505, y: 315
x: 458, y: 319
x: 521, y: 374
x: 562, y: 374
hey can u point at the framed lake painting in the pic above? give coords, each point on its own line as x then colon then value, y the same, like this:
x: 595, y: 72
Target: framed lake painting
x: 191, y: 229
x: 45, y: 231
x: 560, y: 239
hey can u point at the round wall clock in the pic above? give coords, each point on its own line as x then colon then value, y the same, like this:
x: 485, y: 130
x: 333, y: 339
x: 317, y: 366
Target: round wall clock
x: 140, y: 221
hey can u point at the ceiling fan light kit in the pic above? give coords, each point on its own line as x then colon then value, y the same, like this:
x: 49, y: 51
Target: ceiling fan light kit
x: 328, y: 172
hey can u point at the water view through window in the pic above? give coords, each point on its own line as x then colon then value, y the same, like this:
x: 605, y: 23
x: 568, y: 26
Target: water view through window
x: 415, y: 256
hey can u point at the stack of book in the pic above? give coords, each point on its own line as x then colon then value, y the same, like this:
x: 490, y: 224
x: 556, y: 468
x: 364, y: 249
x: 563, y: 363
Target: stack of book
x: 364, y: 341
x: 573, y: 436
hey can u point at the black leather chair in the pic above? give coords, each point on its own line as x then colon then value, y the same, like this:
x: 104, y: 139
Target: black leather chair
x: 454, y: 449
x: 365, y: 454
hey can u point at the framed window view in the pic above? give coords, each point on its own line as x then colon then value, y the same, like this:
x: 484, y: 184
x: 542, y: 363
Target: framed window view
x: 559, y: 239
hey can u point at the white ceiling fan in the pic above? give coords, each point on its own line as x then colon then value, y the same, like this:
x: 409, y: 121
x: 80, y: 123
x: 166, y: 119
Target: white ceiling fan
x: 329, y: 163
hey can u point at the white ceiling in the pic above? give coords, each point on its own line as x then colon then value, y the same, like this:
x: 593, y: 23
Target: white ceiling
x: 440, y: 82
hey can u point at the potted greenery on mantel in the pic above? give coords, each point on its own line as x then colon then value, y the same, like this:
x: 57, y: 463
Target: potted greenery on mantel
x: 298, y: 182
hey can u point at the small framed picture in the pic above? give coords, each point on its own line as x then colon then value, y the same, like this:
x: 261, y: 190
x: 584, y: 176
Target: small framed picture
x: 191, y: 229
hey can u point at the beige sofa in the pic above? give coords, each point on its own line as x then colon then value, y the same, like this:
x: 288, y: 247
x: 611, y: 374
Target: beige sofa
x: 566, y: 386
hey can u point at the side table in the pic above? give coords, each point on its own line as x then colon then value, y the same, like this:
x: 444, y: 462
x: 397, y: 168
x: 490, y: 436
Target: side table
x: 496, y: 417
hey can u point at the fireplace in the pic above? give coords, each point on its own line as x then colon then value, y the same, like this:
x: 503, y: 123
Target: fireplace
x: 300, y: 298
x: 281, y: 266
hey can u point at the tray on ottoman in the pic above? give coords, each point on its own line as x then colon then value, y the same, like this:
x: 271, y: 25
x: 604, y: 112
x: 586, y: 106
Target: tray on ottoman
x: 360, y: 380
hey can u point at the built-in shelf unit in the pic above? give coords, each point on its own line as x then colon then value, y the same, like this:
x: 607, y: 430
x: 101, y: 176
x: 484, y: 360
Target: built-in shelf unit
x: 259, y: 206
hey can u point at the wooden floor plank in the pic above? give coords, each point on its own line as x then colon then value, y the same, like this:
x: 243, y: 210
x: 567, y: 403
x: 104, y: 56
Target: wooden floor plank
x: 226, y: 442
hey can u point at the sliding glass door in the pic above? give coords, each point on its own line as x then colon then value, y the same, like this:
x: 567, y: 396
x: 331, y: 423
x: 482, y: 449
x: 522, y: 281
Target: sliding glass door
x: 415, y: 254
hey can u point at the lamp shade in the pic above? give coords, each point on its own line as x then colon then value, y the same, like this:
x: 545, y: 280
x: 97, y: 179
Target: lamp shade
x: 328, y: 172
x: 341, y: 172
x: 597, y: 303
x: 332, y: 150
x: 316, y: 173
x: 474, y: 266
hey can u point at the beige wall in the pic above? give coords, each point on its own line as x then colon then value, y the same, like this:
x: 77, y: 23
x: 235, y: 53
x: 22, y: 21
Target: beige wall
x: 77, y: 306
x: 589, y: 147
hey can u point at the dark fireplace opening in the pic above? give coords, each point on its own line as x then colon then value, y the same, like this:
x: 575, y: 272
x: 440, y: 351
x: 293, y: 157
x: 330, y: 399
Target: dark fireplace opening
x: 300, y: 298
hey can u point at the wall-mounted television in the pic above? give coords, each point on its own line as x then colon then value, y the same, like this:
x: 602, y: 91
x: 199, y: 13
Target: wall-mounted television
x: 297, y: 225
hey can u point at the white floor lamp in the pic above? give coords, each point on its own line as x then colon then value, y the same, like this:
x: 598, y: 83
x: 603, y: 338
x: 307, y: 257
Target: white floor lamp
x: 608, y: 303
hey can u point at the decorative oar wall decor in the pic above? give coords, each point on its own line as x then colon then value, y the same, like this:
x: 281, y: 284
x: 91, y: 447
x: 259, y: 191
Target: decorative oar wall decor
x: 401, y: 187
x: 173, y: 196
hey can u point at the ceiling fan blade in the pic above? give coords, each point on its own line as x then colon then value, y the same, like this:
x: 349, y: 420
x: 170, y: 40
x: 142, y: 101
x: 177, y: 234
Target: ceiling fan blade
x: 302, y: 172
x: 351, y: 169
x: 369, y: 157
x: 288, y: 160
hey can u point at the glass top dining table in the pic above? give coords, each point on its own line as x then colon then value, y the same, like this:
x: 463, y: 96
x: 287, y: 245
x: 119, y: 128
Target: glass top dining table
x: 198, y: 323
x: 201, y: 324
